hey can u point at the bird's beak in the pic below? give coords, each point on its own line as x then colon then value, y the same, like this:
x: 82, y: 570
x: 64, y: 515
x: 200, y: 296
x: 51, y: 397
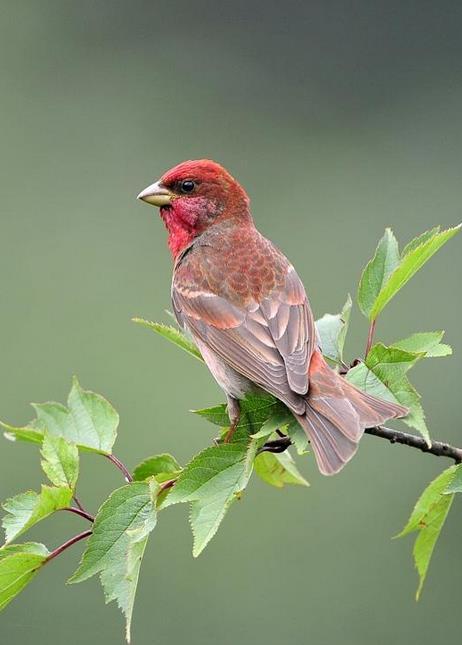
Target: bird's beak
x: 156, y: 194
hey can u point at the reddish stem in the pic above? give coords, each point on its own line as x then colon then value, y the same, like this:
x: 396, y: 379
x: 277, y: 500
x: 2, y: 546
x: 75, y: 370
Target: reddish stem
x: 66, y: 545
x: 78, y: 511
x: 370, y: 336
x: 118, y: 464
x: 78, y: 503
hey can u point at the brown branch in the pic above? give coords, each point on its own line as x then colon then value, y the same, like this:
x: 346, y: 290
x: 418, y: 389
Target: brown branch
x: 438, y: 448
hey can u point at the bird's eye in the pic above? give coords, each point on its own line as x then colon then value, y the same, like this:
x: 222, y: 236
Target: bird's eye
x: 187, y: 186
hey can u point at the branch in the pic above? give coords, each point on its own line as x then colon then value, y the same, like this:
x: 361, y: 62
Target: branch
x: 438, y: 448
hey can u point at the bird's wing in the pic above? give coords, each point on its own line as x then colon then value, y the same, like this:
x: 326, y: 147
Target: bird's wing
x: 269, y: 340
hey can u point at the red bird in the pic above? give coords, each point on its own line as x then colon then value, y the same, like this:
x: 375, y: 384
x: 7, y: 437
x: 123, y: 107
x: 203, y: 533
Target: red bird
x: 248, y: 313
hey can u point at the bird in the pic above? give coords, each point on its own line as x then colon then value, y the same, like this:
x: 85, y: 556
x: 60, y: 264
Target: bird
x: 247, y: 310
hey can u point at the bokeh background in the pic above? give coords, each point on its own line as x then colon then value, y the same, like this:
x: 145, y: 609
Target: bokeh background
x: 340, y: 118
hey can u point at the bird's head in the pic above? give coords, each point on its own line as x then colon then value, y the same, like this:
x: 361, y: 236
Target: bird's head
x: 194, y: 196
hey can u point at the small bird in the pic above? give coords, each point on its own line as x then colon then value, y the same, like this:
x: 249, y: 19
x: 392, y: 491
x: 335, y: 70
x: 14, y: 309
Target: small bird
x: 246, y: 309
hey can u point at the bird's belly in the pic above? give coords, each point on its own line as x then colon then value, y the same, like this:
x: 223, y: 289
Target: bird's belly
x: 230, y: 381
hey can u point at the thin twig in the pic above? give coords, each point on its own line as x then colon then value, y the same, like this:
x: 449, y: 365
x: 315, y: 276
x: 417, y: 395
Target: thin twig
x: 118, y: 464
x: 78, y: 503
x: 66, y: 545
x: 79, y: 512
x: 370, y: 336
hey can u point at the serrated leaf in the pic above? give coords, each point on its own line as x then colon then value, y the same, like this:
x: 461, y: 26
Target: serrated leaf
x: 455, y: 485
x: 332, y: 330
x: 19, y: 564
x: 162, y: 467
x: 428, y: 537
x: 399, y: 390
x: 390, y: 365
x: 116, y: 546
x: 414, y: 259
x: 365, y: 379
x: 90, y: 422
x: 377, y: 272
x: 278, y: 469
x: 408, y: 396
x: 427, y: 501
x: 427, y: 343
x: 26, y: 509
x: 428, y: 518
x: 173, y: 335
x: 420, y: 239
x: 211, y: 482
x: 60, y: 461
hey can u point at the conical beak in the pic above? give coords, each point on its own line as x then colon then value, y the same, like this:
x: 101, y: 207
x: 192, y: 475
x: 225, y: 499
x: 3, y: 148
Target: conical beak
x: 156, y: 194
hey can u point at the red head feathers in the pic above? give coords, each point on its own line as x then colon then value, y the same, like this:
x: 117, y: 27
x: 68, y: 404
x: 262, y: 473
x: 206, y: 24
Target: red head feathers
x: 194, y: 196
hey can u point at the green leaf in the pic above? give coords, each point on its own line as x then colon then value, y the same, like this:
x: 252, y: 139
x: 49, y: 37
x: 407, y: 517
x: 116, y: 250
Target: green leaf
x: 427, y: 343
x: 162, y: 467
x: 428, y: 518
x: 298, y: 437
x: 256, y: 409
x: 24, y: 433
x: 278, y: 469
x: 397, y: 390
x: 428, y: 536
x: 60, y: 461
x: 455, y: 486
x: 211, y: 482
x: 414, y: 259
x: 365, y: 379
x: 172, y: 334
x: 26, y: 509
x: 420, y: 239
x: 19, y: 564
x: 89, y: 421
x: 116, y: 546
x: 390, y: 364
x: 332, y: 330
x: 377, y: 273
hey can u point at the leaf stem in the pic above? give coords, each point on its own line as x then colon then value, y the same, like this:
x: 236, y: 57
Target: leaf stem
x: 370, y: 336
x: 66, y: 545
x: 118, y: 464
x: 78, y: 511
x: 78, y: 503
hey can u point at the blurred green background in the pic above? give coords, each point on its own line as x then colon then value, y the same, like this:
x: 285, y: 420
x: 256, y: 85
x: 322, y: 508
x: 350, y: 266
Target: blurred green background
x: 340, y: 119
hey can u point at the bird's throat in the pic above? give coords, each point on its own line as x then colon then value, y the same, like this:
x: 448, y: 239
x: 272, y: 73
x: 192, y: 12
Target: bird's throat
x: 180, y: 231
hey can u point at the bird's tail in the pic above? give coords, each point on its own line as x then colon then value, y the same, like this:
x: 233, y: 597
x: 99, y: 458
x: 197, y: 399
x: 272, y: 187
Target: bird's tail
x: 337, y: 414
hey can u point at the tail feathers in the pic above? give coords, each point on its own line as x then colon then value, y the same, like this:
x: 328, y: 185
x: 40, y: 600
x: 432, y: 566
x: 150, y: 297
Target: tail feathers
x: 337, y: 414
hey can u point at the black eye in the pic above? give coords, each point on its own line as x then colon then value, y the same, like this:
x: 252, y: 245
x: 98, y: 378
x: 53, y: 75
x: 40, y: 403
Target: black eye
x: 187, y: 186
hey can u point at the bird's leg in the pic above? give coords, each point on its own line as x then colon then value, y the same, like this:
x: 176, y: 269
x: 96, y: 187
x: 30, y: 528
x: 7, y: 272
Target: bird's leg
x: 234, y: 413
